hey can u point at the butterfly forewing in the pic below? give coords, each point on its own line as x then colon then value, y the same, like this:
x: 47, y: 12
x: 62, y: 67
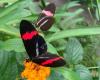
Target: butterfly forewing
x: 34, y: 43
x: 49, y: 10
x: 49, y: 60
x: 25, y: 27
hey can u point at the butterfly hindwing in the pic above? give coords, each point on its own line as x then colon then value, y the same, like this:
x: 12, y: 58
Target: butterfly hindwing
x: 42, y: 46
x: 49, y: 60
x: 34, y: 43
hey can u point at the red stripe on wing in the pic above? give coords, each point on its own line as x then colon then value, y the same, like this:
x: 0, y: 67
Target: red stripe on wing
x: 29, y: 35
x: 50, y: 61
x: 47, y: 13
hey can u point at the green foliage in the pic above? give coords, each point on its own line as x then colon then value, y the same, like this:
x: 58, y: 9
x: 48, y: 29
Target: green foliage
x: 74, y: 51
x: 8, y: 66
x: 69, y: 74
x: 67, y: 24
x: 51, y: 48
x: 63, y: 74
x: 73, y: 32
x: 12, y: 44
x: 83, y: 72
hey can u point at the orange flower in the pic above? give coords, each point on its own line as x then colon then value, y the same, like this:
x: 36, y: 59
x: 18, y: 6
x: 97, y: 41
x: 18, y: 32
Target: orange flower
x: 34, y: 71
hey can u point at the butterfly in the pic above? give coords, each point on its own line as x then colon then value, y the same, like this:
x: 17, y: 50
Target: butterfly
x: 46, y: 18
x: 35, y: 44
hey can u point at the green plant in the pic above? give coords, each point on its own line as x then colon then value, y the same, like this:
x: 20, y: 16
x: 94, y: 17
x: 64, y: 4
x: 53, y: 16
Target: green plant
x: 12, y: 52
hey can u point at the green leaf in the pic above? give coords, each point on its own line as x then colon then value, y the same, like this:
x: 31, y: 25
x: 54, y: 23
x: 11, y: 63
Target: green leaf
x: 18, y: 14
x: 10, y: 30
x: 1, y: 44
x: 8, y: 1
x: 72, y: 4
x: 61, y: 44
x: 83, y: 72
x: 34, y: 8
x: 51, y: 48
x: 68, y: 74
x: 54, y: 29
x: 73, y: 32
x: 20, y: 57
x: 8, y: 66
x: 18, y: 10
x: 70, y: 22
x: 10, y: 8
x: 56, y: 75
x: 74, y: 51
x: 14, y: 44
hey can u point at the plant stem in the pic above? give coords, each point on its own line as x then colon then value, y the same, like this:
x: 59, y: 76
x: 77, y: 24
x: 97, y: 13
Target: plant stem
x: 97, y: 2
x: 93, y: 67
x: 43, y: 3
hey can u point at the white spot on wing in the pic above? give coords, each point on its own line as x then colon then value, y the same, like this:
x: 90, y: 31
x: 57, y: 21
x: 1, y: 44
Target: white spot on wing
x: 37, y: 51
